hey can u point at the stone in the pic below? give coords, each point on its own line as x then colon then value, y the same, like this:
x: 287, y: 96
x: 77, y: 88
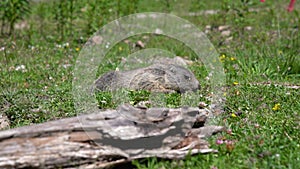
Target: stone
x: 226, y: 33
x: 4, y: 122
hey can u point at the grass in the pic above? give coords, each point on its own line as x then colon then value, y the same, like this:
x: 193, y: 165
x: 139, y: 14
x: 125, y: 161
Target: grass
x: 260, y: 134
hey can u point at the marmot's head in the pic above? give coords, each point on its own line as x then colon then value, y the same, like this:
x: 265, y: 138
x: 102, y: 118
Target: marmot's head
x: 184, y: 78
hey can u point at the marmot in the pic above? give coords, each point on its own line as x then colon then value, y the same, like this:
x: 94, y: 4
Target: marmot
x: 157, y: 77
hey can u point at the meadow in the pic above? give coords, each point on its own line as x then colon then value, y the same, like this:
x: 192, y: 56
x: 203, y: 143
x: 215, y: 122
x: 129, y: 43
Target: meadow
x: 258, y: 43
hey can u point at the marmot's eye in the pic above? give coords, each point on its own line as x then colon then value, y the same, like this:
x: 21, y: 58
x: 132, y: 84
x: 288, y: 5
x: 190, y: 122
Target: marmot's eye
x: 187, y: 77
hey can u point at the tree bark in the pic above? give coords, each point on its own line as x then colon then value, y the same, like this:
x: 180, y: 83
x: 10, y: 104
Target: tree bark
x: 105, y: 138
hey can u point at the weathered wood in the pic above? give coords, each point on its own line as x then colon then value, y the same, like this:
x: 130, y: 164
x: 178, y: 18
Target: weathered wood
x: 105, y: 138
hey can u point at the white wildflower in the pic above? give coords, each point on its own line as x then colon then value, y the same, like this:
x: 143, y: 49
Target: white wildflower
x: 21, y: 68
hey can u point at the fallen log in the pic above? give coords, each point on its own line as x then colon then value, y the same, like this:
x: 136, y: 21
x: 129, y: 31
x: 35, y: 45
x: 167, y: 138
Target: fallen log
x: 106, y: 138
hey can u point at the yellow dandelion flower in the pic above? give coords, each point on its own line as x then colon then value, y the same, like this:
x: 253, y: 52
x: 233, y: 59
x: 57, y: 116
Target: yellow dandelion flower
x: 276, y: 107
x: 77, y: 49
x: 120, y: 48
x: 235, y: 83
x: 232, y: 58
x: 233, y: 115
x: 222, y: 58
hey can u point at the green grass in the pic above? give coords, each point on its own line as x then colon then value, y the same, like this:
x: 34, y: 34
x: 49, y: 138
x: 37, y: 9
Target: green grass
x: 260, y: 137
